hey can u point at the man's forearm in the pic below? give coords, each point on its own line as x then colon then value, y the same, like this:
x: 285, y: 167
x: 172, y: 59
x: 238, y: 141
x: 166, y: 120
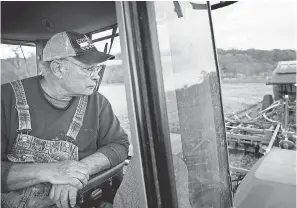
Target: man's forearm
x: 96, y: 162
x: 23, y: 175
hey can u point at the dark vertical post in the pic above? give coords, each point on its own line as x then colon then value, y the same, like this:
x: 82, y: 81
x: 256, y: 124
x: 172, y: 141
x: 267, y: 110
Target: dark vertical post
x: 150, y: 106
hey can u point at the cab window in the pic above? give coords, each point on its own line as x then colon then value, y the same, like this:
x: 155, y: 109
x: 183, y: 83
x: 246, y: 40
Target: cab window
x: 17, y: 62
x: 112, y: 85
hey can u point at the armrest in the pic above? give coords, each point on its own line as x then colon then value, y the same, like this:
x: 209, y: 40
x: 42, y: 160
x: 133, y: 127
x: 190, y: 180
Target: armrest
x: 102, y: 177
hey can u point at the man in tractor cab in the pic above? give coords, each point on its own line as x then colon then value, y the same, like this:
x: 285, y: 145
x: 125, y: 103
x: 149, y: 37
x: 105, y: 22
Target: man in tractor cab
x: 56, y: 129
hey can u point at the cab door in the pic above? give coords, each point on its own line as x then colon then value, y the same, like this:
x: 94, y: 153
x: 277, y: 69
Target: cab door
x: 175, y: 105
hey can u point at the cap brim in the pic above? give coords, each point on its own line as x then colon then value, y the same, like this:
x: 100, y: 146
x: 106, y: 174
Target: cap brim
x: 95, y: 57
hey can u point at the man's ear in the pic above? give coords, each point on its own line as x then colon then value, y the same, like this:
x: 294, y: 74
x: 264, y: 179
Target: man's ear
x: 56, y: 69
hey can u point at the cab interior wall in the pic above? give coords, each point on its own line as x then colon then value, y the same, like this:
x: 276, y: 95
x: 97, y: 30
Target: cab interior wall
x: 22, y: 21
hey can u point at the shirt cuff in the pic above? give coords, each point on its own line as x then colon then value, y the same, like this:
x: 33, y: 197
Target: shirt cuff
x: 115, y: 153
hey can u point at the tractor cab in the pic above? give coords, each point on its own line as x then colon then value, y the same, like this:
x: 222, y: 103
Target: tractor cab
x: 23, y: 37
x: 166, y: 62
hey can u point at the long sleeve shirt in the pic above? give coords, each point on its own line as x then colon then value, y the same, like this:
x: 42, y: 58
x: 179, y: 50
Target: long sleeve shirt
x: 101, y: 130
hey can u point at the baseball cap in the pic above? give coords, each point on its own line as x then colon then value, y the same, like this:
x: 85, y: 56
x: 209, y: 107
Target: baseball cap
x: 73, y: 44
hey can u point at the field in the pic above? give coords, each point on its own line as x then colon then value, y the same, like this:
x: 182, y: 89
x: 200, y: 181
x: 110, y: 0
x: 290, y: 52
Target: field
x: 236, y: 96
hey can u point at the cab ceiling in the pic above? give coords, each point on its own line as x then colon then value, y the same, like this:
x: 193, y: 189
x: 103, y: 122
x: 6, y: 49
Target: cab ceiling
x: 31, y: 21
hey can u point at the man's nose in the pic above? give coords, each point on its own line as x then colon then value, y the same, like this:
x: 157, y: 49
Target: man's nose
x: 95, y: 76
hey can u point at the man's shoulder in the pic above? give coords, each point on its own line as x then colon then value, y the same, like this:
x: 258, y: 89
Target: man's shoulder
x: 6, y: 88
x: 6, y: 93
x: 30, y: 80
x: 99, y: 98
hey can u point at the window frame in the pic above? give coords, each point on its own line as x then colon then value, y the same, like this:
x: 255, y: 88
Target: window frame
x: 139, y: 41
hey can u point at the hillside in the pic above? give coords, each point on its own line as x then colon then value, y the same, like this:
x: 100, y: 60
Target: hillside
x: 247, y: 63
x: 242, y: 64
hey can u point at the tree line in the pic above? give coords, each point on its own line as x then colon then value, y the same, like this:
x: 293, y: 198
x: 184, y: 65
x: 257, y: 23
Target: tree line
x: 252, y: 62
x: 233, y: 63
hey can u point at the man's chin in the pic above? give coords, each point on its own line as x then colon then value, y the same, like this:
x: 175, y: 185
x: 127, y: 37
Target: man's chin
x: 90, y: 91
x: 85, y: 93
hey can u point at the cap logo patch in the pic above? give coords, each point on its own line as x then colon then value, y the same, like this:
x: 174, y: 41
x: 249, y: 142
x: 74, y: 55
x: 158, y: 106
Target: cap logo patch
x: 85, y: 43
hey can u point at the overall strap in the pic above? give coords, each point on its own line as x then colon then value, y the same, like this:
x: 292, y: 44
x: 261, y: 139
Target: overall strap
x: 78, y: 118
x: 22, y: 107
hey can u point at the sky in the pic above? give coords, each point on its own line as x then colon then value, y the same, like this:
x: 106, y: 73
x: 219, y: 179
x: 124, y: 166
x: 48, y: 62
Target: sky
x: 259, y: 24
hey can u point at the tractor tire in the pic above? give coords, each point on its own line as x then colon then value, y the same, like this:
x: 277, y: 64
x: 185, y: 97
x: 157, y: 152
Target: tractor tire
x: 267, y: 101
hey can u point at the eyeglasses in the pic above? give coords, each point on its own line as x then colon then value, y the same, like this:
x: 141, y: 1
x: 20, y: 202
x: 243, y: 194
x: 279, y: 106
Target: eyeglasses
x: 90, y: 71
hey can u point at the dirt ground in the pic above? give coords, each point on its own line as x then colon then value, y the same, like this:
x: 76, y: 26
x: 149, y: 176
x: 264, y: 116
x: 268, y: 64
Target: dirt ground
x: 238, y: 96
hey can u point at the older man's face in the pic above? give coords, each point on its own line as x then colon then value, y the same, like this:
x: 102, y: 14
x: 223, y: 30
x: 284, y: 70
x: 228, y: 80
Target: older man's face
x: 79, y: 78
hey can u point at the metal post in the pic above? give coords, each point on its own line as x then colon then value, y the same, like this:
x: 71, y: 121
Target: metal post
x: 128, y: 64
x: 286, y: 112
x: 149, y: 102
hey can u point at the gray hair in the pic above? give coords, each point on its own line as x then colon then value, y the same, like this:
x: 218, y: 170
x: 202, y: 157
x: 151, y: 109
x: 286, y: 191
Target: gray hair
x: 45, y: 68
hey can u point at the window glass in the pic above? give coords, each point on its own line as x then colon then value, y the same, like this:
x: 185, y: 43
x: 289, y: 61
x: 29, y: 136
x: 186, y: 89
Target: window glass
x: 115, y: 49
x: 113, y: 87
x: 193, y: 103
x: 17, y: 62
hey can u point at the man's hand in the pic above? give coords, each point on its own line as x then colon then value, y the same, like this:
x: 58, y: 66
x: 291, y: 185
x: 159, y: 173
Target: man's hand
x: 63, y: 195
x: 69, y: 172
